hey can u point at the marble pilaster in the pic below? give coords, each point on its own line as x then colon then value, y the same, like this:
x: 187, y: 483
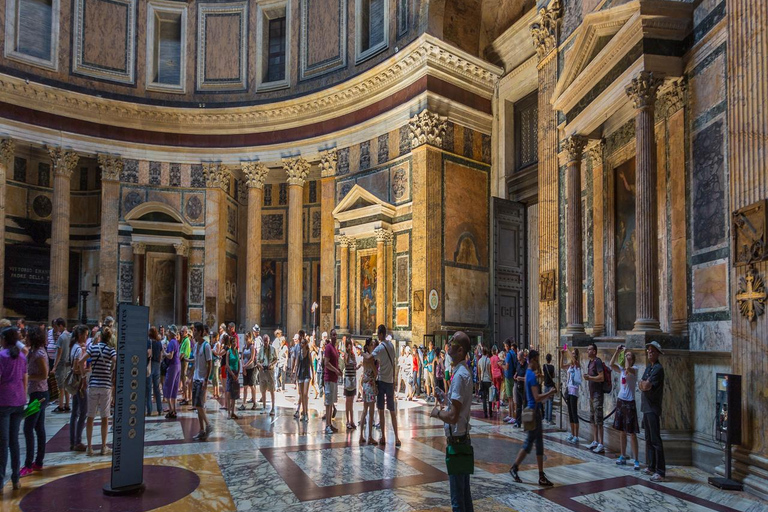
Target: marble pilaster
x: 255, y: 174
x: 545, y: 34
x: 180, y: 296
x: 111, y: 166
x: 596, y: 156
x: 7, y: 147
x: 216, y: 181
x: 382, y: 236
x: 139, y: 272
x: 63, y: 164
x: 352, y: 288
x: 574, y: 147
x: 344, y: 284
x: 297, y: 170
x: 642, y: 92
x: 328, y: 161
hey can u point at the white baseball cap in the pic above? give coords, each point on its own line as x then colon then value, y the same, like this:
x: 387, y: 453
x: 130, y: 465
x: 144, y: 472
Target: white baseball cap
x: 256, y: 328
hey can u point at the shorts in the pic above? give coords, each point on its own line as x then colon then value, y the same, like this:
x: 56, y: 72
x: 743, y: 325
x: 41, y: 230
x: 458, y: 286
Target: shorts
x: 331, y: 392
x: 386, y: 391
x: 99, y: 399
x: 596, y: 409
x: 626, y: 417
x: 198, y: 394
x: 233, y: 388
x: 429, y: 379
x: 267, y: 380
x: 535, y: 437
x: 304, y: 381
x: 61, y: 376
x: 249, y: 377
x: 350, y: 392
x: 509, y: 388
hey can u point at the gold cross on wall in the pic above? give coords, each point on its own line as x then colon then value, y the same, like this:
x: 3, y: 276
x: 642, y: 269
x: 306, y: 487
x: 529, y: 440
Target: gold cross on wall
x: 751, y: 294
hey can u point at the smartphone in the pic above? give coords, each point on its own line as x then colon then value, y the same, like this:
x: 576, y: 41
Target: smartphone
x: 440, y: 395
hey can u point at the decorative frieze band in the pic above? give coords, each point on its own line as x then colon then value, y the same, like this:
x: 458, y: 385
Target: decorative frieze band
x: 111, y: 167
x: 642, y: 90
x: 297, y: 170
x: 328, y: 160
x: 63, y: 161
x: 545, y: 30
x: 255, y: 173
x: 427, y: 128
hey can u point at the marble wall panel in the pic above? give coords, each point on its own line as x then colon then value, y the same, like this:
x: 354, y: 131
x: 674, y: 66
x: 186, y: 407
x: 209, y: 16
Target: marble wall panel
x: 466, y: 228
x: 704, y: 373
x: 222, y: 46
x: 323, y: 37
x: 376, y: 183
x: 708, y: 188
x: 707, y: 85
x: 400, y: 180
x: 273, y: 227
x: 466, y: 296
x: 196, y: 285
x: 194, y: 208
x: 403, y: 242
x: 170, y: 198
x: 196, y: 256
x: 16, y: 201
x: 84, y: 210
x: 711, y: 336
x: 97, y: 21
x: 710, y: 286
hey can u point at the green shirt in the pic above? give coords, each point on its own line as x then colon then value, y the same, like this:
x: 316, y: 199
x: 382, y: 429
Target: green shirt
x: 185, y: 350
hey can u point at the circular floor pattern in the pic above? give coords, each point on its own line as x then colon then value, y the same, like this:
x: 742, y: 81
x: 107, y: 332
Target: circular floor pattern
x: 83, y: 491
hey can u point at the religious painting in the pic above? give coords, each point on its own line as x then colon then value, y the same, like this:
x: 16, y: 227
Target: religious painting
x: 710, y: 286
x: 268, y: 291
x: 626, y: 246
x: 368, y: 294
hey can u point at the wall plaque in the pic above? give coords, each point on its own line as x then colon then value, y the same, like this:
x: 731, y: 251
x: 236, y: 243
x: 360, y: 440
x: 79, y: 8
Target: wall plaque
x: 547, y: 286
x: 749, y: 243
x: 418, y: 300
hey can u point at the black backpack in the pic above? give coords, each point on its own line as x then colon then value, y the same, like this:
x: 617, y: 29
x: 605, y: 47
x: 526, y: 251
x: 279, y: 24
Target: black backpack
x: 607, y: 381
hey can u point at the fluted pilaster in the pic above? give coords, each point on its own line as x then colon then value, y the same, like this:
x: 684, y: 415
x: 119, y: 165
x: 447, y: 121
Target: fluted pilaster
x: 255, y: 175
x: 574, y: 147
x: 7, y: 148
x: 344, y: 283
x: 297, y: 170
x: 111, y: 166
x: 63, y: 163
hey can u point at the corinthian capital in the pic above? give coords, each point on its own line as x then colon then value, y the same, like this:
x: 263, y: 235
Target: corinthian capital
x: 673, y: 98
x: 642, y: 90
x: 595, y: 152
x: 182, y: 249
x: 544, y: 31
x: 383, y: 235
x: 574, y: 147
x: 427, y: 128
x: 7, y: 148
x: 111, y: 167
x: 297, y: 170
x: 63, y: 161
x: 216, y: 175
x: 255, y: 173
x: 328, y: 163
x: 342, y: 240
x: 139, y: 247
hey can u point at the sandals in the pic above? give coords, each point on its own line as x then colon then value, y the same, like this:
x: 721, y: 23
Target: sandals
x: 372, y: 441
x: 234, y: 416
x: 241, y: 408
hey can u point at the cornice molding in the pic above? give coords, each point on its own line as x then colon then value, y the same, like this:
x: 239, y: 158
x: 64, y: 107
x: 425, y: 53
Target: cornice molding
x: 426, y: 55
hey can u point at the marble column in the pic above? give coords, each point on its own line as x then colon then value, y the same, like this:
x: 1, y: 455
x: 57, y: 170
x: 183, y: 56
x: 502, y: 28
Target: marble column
x: 297, y: 170
x: 255, y: 174
x: 180, y: 271
x: 111, y: 167
x: 328, y: 160
x: 7, y: 147
x: 344, y: 284
x: 544, y: 32
x: 596, y: 156
x: 139, y: 272
x: 642, y: 92
x: 382, y: 235
x: 574, y: 147
x: 63, y: 163
x: 352, y: 289
x: 217, y: 178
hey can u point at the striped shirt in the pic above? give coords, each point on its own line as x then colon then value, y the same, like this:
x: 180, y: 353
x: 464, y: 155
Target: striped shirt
x: 101, y: 356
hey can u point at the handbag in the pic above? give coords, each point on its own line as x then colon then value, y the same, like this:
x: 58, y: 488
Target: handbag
x: 459, y: 457
x: 72, y: 382
x: 529, y: 419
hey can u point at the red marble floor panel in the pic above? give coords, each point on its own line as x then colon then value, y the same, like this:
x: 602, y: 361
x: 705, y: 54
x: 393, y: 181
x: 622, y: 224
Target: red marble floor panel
x: 306, y: 489
x: 563, y: 495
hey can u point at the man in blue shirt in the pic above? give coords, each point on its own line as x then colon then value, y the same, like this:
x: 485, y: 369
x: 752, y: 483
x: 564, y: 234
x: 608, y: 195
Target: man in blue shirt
x: 510, y: 368
x: 429, y: 374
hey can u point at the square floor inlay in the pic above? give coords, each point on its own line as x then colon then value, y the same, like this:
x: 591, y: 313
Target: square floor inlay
x: 348, y: 465
x: 638, y: 497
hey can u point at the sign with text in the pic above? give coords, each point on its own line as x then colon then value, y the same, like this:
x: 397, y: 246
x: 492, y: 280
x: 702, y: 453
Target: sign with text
x: 130, y: 386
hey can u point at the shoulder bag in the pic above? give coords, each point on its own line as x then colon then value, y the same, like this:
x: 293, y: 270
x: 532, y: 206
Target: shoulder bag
x: 459, y: 456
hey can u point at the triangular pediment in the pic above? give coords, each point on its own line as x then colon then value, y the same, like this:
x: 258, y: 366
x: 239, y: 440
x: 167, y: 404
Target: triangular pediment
x: 605, y: 38
x: 360, y: 203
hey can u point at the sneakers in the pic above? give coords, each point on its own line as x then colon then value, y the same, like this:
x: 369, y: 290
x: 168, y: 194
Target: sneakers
x: 272, y: 412
x: 36, y: 467
x: 658, y: 478
x: 208, y: 430
x: 106, y: 450
x: 25, y: 471
x: 599, y: 449
x: 506, y: 418
x: 515, y: 476
x: 621, y: 461
x: 544, y: 481
x: 647, y: 471
x: 89, y: 451
x: 569, y: 439
x: 200, y: 436
x: 328, y: 431
x: 637, y: 465
x: 592, y: 445
x: 296, y: 415
x: 574, y: 440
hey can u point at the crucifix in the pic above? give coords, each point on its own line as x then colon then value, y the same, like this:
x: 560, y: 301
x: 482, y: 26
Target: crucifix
x: 751, y: 294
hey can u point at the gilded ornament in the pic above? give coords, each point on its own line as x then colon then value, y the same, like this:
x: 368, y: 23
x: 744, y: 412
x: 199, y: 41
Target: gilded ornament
x: 751, y: 294
x: 544, y: 31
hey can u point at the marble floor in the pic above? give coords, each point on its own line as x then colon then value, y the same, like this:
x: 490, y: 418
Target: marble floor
x: 268, y: 463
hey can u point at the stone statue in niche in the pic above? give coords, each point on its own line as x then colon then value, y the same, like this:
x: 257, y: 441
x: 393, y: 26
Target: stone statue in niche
x: 751, y: 294
x: 749, y: 244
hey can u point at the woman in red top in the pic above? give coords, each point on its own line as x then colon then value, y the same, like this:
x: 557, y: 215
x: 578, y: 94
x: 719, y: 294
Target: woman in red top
x: 496, y: 377
x: 415, y: 381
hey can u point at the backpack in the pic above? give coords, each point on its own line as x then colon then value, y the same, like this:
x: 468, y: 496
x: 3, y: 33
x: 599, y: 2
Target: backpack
x: 607, y: 381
